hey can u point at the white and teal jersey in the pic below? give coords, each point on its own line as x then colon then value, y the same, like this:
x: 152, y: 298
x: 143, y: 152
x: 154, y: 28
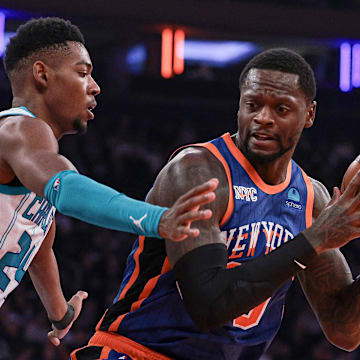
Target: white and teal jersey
x: 24, y: 222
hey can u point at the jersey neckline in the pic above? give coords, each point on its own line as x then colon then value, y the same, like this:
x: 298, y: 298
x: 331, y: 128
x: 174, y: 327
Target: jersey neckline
x: 255, y: 177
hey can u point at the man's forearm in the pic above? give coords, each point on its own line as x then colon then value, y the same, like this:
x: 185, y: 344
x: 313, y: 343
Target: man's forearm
x: 45, y: 278
x: 335, y: 298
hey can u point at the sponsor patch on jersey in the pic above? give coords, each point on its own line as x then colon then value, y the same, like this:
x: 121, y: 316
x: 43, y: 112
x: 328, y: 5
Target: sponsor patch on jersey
x: 245, y: 193
x: 293, y: 199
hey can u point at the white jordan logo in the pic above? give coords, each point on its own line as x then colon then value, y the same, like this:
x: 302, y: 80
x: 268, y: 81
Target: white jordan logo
x: 124, y: 356
x: 138, y: 222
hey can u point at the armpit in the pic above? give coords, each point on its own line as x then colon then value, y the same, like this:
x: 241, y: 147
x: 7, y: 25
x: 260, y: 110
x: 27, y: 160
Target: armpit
x: 321, y: 197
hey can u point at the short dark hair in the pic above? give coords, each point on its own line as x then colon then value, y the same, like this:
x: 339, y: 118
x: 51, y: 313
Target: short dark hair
x: 284, y: 60
x: 41, y: 34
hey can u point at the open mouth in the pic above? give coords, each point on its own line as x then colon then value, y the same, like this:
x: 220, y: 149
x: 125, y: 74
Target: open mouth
x: 262, y: 137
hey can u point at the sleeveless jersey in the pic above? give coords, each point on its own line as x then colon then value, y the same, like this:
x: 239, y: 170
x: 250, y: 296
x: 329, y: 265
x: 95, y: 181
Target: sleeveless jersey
x: 259, y: 218
x: 24, y: 222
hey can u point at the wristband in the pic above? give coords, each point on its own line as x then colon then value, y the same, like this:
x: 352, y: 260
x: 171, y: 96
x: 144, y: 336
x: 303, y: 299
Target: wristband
x: 66, y: 320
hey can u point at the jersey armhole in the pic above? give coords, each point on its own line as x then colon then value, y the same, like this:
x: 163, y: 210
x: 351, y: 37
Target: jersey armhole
x: 214, y: 150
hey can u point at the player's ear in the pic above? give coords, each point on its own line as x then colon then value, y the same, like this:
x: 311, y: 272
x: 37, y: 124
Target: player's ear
x: 40, y: 74
x: 310, y: 114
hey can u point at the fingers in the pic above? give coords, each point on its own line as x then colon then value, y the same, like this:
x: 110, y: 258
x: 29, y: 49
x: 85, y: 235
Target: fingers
x: 53, y: 338
x: 194, y: 202
x: 354, y: 186
x: 335, y: 197
x: 206, y: 187
x: 77, y: 299
x: 190, y: 216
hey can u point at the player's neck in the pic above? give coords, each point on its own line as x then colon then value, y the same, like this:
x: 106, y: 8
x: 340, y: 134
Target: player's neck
x: 274, y: 172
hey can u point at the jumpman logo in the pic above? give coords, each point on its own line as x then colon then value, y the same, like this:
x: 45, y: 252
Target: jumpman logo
x: 138, y: 222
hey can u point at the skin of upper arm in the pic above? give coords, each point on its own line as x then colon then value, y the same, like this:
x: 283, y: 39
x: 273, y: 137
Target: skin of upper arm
x: 189, y: 168
x: 328, y: 273
x: 45, y: 248
x: 30, y: 150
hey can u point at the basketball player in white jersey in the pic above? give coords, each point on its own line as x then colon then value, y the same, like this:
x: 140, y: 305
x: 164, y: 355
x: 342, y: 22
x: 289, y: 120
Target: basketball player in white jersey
x: 54, y: 94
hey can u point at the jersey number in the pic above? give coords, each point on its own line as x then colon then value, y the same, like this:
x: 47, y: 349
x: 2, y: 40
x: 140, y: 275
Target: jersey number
x: 253, y: 317
x: 15, y: 260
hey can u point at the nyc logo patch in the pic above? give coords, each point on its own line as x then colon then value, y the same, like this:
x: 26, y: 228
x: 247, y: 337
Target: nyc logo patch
x: 245, y: 193
x: 293, y: 199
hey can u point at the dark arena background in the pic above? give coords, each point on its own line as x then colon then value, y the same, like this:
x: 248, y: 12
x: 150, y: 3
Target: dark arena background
x: 169, y: 72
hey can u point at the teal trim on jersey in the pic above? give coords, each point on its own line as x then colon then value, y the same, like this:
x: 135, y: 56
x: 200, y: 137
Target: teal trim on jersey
x: 13, y: 190
x: 26, y: 109
x: 17, y: 111
x: 85, y: 199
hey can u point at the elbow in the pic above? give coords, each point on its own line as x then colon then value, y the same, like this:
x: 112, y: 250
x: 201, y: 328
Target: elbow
x: 200, y: 317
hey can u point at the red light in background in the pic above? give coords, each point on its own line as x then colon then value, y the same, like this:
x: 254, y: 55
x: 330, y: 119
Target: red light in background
x: 167, y: 53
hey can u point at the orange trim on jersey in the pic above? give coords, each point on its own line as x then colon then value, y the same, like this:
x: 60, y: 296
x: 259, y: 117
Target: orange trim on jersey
x: 149, y: 287
x: 101, y: 320
x: 104, y: 353
x: 255, y: 177
x: 230, y: 208
x: 136, y: 270
x: 214, y: 150
x: 310, y: 199
x: 124, y: 345
x: 166, y: 266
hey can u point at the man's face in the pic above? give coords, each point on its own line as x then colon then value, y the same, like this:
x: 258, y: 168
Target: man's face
x: 72, y: 90
x: 273, y: 111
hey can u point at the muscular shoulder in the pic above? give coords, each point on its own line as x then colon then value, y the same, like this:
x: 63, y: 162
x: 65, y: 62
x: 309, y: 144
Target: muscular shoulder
x: 16, y: 131
x: 321, y: 197
x: 190, y: 167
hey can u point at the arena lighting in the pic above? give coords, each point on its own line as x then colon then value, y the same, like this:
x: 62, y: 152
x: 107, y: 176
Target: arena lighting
x: 179, y: 43
x: 218, y: 53
x: 345, y: 67
x: 136, y: 57
x: 355, y: 67
x: 167, y: 53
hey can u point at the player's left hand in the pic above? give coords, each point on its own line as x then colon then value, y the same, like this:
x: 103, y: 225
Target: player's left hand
x: 55, y: 335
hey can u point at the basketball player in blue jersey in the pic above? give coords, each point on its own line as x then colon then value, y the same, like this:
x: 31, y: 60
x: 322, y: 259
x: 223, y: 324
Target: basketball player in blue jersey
x: 54, y: 94
x: 221, y: 296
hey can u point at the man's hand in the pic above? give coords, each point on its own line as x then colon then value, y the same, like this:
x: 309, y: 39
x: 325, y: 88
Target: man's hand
x: 339, y: 222
x: 55, y: 335
x: 175, y: 222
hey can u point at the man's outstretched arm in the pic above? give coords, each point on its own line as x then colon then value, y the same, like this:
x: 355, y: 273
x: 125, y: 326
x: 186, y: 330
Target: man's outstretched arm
x: 30, y: 150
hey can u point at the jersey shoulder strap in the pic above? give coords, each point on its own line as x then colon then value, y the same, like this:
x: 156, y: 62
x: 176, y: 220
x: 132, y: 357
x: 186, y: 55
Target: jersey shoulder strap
x: 18, y: 111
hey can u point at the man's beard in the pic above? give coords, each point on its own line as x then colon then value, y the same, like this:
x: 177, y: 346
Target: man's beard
x: 254, y: 157
x: 79, y: 127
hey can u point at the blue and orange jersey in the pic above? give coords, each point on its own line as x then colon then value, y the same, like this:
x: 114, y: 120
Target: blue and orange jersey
x: 148, y: 308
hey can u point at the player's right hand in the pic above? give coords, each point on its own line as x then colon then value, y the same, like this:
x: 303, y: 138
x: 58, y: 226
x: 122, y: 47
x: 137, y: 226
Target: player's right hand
x: 339, y: 222
x: 55, y: 335
x: 175, y: 222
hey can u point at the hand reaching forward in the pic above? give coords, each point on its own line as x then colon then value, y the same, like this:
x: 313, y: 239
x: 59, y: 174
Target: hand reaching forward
x: 175, y: 222
x: 55, y: 335
x: 339, y: 222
